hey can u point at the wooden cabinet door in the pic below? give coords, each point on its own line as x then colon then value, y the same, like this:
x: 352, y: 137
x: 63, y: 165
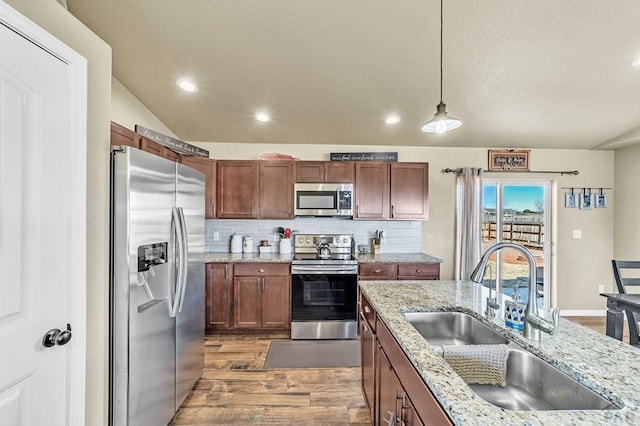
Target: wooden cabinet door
x: 170, y: 155
x: 372, y: 191
x: 207, y: 167
x: 309, y: 171
x: 367, y: 357
x: 237, y: 191
x: 409, y: 190
x: 339, y: 171
x: 408, y: 414
x: 276, y: 190
x: 389, y: 391
x: 219, y: 290
x: 247, y: 302
x: 276, y: 303
x: 122, y: 136
x: 418, y: 271
x: 151, y: 146
x: 377, y: 271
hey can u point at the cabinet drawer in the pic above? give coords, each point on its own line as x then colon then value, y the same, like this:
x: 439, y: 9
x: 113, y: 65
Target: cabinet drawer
x: 377, y: 271
x: 419, y: 271
x: 368, y: 313
x: 260, y: 269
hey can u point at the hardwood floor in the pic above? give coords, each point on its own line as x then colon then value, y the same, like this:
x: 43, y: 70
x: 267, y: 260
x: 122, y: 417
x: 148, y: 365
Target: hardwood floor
x: 235, y: 389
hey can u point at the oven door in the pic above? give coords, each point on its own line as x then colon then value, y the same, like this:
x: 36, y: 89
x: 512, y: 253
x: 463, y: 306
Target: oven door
x: 323, y: 306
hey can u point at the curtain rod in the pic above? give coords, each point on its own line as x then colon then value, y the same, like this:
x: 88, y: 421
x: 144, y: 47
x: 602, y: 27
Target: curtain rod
x: 562, y: 172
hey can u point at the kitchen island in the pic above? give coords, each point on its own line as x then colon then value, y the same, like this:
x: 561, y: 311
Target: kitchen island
x: 605, y: 365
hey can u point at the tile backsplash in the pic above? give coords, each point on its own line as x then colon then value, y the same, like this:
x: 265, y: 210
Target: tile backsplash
x: 401, y: 236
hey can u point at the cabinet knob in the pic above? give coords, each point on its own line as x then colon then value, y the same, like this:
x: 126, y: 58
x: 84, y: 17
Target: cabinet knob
x: 367, y: 310
x: 418, y: 271
x: 377, y: 271
x: 261, y: 270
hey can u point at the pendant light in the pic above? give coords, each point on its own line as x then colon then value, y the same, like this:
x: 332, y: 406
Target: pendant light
x: 441, y: 122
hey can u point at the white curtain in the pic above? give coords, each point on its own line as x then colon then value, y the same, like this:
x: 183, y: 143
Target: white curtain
x: 468, y: 221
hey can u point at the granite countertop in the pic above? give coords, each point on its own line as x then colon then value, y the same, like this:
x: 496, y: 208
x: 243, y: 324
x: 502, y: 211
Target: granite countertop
x: 222, y: 257
x: 609, y: 367
x: 398, y: 258
x: 213, y: 257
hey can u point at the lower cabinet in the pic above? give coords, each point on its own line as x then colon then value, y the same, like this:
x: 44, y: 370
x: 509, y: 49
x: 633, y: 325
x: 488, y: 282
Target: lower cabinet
x: 401, y: 271
x: 219, y: 290
x: 396, y: 394
x: 248, y: 297
x: 395, y: 407
x: 367, y: 361
x: 261, y: 296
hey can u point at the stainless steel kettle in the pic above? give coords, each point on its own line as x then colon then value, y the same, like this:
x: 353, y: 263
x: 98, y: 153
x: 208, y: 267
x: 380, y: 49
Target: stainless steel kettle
x: 324, y: 252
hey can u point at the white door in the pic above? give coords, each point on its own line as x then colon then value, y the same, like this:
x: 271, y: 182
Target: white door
x: 42, y: 229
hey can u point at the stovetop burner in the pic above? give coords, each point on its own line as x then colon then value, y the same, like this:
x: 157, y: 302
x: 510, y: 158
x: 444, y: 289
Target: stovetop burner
x: 307, y: 249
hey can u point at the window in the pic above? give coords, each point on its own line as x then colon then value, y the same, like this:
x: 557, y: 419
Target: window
x: 517, y: 211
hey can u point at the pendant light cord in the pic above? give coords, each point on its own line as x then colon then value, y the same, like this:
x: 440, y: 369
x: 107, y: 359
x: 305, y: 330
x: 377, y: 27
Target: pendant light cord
x: 441, y: 25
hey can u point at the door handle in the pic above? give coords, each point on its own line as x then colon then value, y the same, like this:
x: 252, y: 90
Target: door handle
x: 55, y: 337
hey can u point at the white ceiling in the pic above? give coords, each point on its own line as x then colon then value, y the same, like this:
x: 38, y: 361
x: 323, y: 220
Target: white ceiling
x: 518, y: 73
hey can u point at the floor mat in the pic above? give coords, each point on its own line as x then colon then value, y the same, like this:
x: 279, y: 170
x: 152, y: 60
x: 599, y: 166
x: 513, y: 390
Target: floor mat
x: 313, y: 354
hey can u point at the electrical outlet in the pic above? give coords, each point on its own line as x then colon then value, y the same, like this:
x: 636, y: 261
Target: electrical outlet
x: 577, y: 234
x: 216, y: 236
x: 601, y: 288
x: 276, y: 236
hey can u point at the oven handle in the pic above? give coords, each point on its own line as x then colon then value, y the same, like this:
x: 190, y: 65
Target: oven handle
x: 334, y: 270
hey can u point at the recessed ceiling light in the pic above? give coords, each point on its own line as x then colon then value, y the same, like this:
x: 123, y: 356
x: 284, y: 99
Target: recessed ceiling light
x: 392, y: 119
x: 636, y: 63
x: 187, y: 85
x: 263, y: 117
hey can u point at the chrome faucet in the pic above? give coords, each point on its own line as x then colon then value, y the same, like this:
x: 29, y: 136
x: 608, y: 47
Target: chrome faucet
x: 492, y: 301
x: 534, y: 324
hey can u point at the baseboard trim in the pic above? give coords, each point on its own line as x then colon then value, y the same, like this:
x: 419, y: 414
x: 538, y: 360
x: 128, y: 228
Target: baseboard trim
x: 583, y: 313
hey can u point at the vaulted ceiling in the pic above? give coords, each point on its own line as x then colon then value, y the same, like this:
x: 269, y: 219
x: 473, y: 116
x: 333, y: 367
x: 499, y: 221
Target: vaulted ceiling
x: 518, y: 73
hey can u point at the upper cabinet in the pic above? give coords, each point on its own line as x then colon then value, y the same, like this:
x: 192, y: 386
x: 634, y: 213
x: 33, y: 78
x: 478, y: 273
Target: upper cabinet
x: 237, y: 195
x: 409, y: 194
x: 254, y: 189
x: 324, y: 171
x: 372, y: 191
x: 123, y: 136
x: 207, y: 167
x: 391, y: 191
x: 276, y: 190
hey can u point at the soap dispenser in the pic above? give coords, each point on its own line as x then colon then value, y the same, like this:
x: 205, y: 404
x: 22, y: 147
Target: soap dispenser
x: 514, y: 311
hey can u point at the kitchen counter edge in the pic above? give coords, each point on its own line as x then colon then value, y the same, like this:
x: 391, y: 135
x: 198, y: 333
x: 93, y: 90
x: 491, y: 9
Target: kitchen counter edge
x: 223, y: 257
x: 582, y: 353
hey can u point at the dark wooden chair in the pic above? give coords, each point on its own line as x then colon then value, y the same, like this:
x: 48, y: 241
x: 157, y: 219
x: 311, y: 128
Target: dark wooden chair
x: 623, y: 283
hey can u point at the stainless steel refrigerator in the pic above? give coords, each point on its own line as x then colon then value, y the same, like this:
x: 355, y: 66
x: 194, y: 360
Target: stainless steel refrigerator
x: 157, y: 288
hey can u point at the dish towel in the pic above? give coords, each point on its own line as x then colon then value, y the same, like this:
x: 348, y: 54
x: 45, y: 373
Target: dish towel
x: 478, y: 364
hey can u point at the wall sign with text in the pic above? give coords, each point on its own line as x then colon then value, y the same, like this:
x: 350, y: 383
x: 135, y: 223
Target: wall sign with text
x: 175, y: 144
x: 511, y: 160
x: 364, y: 156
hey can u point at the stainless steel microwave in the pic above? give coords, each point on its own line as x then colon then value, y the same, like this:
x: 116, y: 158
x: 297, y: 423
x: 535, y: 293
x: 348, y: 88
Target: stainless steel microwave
x: 323, y: 199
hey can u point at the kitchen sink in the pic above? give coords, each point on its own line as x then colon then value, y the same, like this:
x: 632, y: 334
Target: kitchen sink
x: 453, y: 328
x: 533, y: 384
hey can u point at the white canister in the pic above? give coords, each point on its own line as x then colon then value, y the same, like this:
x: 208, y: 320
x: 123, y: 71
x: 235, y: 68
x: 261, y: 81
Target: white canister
x: 247, y: 245
x: 236, y: 243
x: 285, y: 245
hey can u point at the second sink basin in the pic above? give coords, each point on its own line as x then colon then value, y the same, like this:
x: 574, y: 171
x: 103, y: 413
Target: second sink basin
x: 453, y: 328
x: 533, y: 384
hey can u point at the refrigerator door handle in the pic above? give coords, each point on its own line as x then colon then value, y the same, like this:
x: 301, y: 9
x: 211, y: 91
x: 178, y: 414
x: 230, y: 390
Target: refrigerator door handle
x: 184, y: 260
x: 179, y: 250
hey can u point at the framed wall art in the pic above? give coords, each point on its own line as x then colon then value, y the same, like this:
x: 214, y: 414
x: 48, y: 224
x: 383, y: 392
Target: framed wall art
x: 570, y: 200
x: 586, y: 201
x: 508, y: 160
x: 601, y: 201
